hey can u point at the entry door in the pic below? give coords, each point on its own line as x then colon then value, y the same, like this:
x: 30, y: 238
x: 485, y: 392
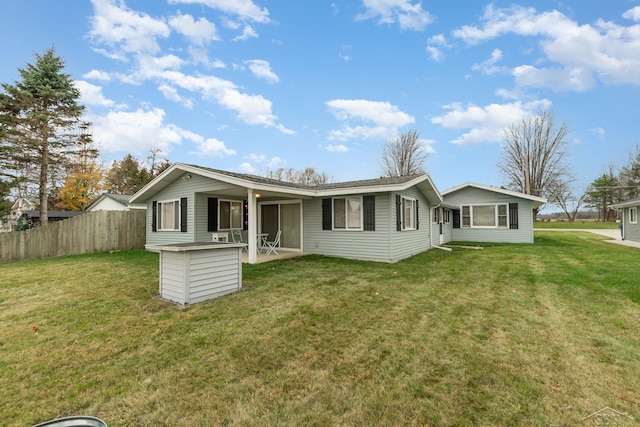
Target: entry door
x: 284, y: 217
x: 290, y: 225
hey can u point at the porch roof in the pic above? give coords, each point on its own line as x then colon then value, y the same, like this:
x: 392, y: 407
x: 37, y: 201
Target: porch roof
x: 273, y: 188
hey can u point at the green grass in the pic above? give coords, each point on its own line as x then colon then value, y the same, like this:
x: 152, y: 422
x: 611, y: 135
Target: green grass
x: 511, y: 335
x: 579, y: 224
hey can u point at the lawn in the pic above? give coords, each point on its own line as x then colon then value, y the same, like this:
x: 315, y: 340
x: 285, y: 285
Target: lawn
x: 511, y: 335
x: 578, y: 224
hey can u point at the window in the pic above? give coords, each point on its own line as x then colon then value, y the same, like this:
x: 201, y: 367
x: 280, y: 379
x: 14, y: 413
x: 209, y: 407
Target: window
x: 447, y: 216
x: 230, y: 215
x: 487, y: 216
x: 436, y: 215
x: 409, y: 214
x: 168, y: 214
x: 633, y: 215
x: 347, y: 213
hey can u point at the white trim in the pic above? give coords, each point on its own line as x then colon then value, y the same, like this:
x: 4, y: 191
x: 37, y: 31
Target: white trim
x: 346, y: 213
x: 633, y: 218
x: 159, y: 217
x: 412, y: 213
x: 538, y: 201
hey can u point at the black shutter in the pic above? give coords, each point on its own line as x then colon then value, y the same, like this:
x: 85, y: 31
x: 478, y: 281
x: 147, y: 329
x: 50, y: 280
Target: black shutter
x: 154, y: 216
x: 513, y: 216
x: 183, y: 215
x: 456, y: 218
x: 369, y: 213
x: 417, y: 216
x: 245, y: 215
x: 326, y: 214
x: 398, y: 213
x: 212, y: 214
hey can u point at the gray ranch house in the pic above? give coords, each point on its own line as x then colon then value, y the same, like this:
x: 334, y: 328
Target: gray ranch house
x: 481, y: 213
x: 385, y: 219
x: 630, y: 227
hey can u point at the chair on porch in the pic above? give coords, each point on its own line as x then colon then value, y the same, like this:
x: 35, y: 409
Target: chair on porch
x: 272, y: 245
x: 236, y: 237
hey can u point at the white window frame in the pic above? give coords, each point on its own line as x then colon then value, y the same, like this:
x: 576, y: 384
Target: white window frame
x: 160, y: 208
x: 347, y: 215
x: 496, y: 218
x: 633, y: 215
x: 411, y: 205
x: 447, y: 216
x: 231, y: 203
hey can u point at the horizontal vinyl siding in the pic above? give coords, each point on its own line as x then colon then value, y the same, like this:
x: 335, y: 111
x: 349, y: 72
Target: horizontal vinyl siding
x: 631, y: 231
x: 476, y: 196
x: 213, y: 276
x: 173, y: 275
x: 188, y: 188
x: 407, y: 243
x: 364, y: 245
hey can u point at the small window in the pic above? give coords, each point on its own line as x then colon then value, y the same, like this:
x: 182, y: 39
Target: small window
x: 230, y: 215
x: 347, y: 213
x: 168, y: 215
x: 633, y: 215
x: 409, y: 214
x: 466, y: 216
x: 447, y: 216
x: 436, y: 215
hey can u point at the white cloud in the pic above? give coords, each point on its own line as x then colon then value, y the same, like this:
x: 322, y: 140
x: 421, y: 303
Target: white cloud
x: 247, y: 33
x: 408, y: 15
x: 97, y: 75
x: 632, y: 14
x: 600, y: 132
x: 243, y: 9
x: 212, y: 147
x: 92, y: 95
x: 385, y: 119
x: 198, y: 32
x: 247, y: 167
x: 489, y: 66
x: 582, y: 54
x: 262, y: 69
x: 486, y: 124
x: 125, y: 30
x: 340, y: 148
x: 132, y: 131
x: 172, y: 94
x: 435, y: 45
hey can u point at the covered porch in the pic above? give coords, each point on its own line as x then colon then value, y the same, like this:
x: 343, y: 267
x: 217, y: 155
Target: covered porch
x: 263, y: 257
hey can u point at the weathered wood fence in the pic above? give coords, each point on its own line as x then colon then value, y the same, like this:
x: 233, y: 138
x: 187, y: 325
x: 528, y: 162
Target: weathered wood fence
x: 87, y: 233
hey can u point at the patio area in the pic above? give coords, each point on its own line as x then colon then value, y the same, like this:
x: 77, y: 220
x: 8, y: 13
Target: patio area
x: 263, y: 257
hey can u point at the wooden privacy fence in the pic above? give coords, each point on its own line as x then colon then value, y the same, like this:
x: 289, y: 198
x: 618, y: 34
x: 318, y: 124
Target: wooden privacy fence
x: 87, y: 233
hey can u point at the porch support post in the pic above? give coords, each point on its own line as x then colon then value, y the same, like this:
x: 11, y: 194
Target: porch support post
x: 252, y: 250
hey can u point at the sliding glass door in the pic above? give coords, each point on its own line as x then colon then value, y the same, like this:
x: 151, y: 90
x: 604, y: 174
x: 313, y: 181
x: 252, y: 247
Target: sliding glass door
x: 283, y: 216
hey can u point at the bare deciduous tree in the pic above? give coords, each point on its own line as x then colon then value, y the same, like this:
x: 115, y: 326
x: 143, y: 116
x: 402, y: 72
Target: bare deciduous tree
x: 561, y: 195
x: 404, y: 155
x: 308, y: 176
x: 534, y: 155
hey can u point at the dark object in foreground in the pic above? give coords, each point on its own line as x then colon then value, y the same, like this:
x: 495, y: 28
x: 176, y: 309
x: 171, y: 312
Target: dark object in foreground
x: 73, y: 422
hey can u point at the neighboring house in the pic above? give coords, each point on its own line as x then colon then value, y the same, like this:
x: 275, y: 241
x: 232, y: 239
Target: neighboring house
x: 630, y: 227
x: 112, y: 202
x: 21, y: 206
x: 480, y: 213
x: 384, y: 219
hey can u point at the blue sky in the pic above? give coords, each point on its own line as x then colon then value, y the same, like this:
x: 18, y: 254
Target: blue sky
x: 254, y: 85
